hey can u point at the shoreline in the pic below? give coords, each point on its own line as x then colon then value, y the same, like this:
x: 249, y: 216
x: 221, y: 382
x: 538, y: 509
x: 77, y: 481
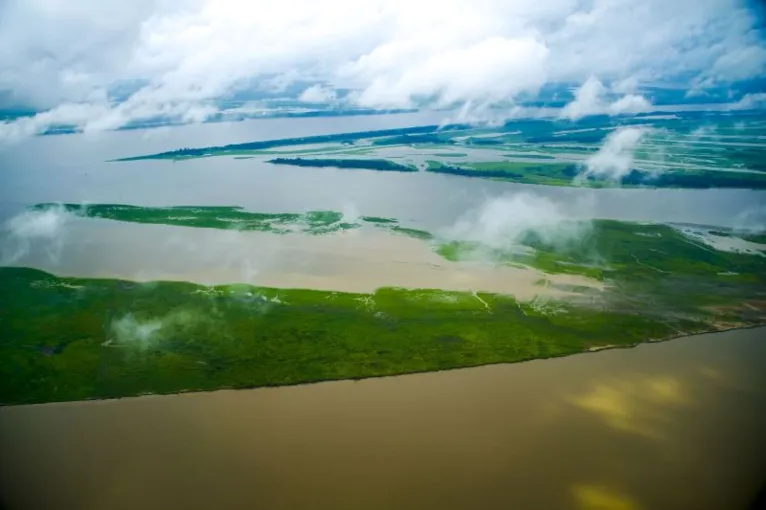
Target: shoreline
x: 402, y: 374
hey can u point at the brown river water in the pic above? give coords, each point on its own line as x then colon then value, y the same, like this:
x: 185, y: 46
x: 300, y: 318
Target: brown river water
x: 677, y: 425
x: 671, y: 426
x: 352, y: 261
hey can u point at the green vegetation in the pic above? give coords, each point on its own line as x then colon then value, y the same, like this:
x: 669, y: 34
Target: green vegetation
x: 654, y: 268
x: 73, y: 338
x: 756, y: 237
x: 529, y: 156
x: 699, y: 179
x: 687, y: 151
x: 563, y: 174
x: 225, y: 150
x: 82, y: 338
x: 365, y: 164
x: 411, y: 232
x: 377, y: 219
x: 234, y: 218
x: 554, y: 174
x: 413, y: 139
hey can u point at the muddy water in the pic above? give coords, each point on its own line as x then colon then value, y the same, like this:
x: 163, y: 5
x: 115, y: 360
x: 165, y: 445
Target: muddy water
x: 351, y: 261
x: 670, y: 426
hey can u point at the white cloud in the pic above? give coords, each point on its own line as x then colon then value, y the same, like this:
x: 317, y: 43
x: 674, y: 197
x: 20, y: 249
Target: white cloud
x: 489, y: 71
x: 630, y: 103
x: 317, y: 94
x: 185, y: 53
x: 500, y: 222
x: 628, y: 85
x: 39, y: 230
x: 751, y: 220
x: 751, y: 102
x: 614, y: 160
x: 740, y: 63
x: 590, y: 100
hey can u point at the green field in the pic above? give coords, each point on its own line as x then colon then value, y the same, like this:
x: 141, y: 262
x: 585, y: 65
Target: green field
x: 80, y: 338
x: 382, y: 165
x: 653, y: 268
x: 231, y: 218
x: 563, y: 174
x: 73, y: 338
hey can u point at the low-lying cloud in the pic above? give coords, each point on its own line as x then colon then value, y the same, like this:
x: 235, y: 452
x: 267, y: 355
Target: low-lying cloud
x: 751, y: 220
x: 317, y: 94
x: 614, y: 160
x: 756, y: 101
x: 36, y: 230
x: 500, y: 223
x: 145, y: 332
x: 591, y: 99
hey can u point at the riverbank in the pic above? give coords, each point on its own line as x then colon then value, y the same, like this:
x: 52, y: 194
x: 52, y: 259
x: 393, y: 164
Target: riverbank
x: 79, y: 338
x: 620, y: 426
x: 669, y: 152
x: 590, y: 350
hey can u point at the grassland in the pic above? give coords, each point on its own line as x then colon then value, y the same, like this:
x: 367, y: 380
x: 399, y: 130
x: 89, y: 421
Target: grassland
x: 236, y: 149
x: 563, y: 174
x: 653, y: 268
x: 65, y: 339
x: 83, y: 338
x: 231, y: 218
x: 553, y: 174
x: 753, y: 237
x: 382, y: 165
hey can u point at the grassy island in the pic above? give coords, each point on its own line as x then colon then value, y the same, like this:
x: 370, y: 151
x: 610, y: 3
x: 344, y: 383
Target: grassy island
x: 675, y: 151
x: 86, y: 338
x: 383, y: 165
x: 77, y: 338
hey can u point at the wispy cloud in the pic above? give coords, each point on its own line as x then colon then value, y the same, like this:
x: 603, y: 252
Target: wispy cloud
x: 755, y: 101
x: 317, y: 94
x: 501, y: 222
x: 614, y: 160
x: 591, y: 99
x: 43, y: 231
x: 752, y: 219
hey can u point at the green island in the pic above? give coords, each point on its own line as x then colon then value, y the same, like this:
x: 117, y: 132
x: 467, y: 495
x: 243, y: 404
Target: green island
x: 343, y: 138
x: 231, y: 218
x: 676, y: 151
x: 64, y: 339
x: 563, y: 174
x: 759, y: 238
x: 383, y: 165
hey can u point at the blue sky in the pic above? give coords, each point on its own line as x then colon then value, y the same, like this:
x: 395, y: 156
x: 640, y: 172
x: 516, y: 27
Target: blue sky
x: 69, y: 61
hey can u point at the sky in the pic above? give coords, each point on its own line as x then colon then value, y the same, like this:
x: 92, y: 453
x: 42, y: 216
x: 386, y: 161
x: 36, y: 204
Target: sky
x: 102, y: 64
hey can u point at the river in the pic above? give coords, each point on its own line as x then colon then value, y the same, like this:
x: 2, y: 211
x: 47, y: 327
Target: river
x: 74, y: 168
x: 671, y: 426
x: 675, y: 426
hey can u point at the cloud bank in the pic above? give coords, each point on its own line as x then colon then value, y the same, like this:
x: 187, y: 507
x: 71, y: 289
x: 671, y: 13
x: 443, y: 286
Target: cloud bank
x: 103, y: 64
